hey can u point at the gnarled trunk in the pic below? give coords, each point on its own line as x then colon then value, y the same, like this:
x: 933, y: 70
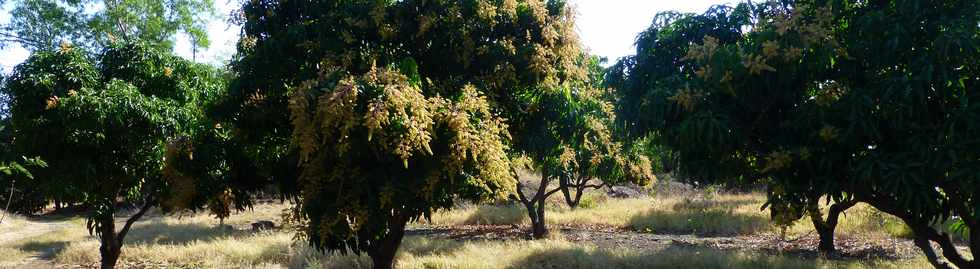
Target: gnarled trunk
x: 567, y: 189
x: 826, y: 228
x: 383, y: 254
x: 925, y: 233
x: 574, y: 190
x: 573, y: 202
x: 536, y: 206
x: 111, y: 242
x: 110, y: 247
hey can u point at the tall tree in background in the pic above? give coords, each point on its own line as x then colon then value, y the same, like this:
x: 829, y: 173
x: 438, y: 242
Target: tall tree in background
x: 105, y: 128
x: 94, y: 24
x: 597, y: 154
x: 569, y: 137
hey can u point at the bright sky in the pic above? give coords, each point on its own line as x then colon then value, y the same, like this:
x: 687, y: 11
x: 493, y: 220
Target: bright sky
x: 607, y: 27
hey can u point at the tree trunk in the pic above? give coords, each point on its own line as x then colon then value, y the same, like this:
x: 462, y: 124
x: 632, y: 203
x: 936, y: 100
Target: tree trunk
x: 110, y: 247
x: 930, y: 253
x: 570, y: 200
x: 924, y: 233
x: 579, y: 187
x: 826, y: 233
x: 826, y: 228
x: 535, y: 208
x: 536, y: 204
x: 566, y: 192
x: 111, y: 241
x: 383, y: 254
x: 538, y: 228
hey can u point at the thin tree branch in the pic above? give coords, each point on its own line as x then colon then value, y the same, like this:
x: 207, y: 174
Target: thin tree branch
x: 9, y: 198
x: 550, y: 193
x: 132, y: 219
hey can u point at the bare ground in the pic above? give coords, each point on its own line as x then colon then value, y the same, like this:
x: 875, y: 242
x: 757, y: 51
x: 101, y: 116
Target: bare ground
x: 849, y: 248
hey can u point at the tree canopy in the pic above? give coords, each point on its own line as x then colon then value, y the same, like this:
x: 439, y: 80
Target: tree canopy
x: 868, y: 101
x: 570, y: 135
x: 425, y: 82
x: 104, y: 128
x: 95, y: 24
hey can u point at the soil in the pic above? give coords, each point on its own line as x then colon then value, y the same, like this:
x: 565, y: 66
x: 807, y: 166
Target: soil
x: 848, y: 248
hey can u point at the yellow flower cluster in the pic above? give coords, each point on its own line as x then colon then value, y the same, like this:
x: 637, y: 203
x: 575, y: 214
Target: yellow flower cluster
x: 183, y: 187
x: 829, y: 92
x: 777, y: 160
x: 399, y: 120
x: 829, y: 133
x: 704, y: 51
x: 52, y: 102
x: 756, y: 64
x: 687, y: 98
x: 65, y: 47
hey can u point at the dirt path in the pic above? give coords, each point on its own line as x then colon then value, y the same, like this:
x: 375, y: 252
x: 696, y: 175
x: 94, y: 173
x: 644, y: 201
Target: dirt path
x: 28, y: 230
x: 31, y: 229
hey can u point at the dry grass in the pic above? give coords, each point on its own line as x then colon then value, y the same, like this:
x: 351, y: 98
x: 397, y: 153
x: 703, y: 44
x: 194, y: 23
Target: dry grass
x: 195, y: 240
x: 723, y: 215
x: 11, y: 221
x: 707, y: 215
x: 418, y: 252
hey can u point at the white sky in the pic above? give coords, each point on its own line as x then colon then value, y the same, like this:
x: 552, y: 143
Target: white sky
x: 607, y: 27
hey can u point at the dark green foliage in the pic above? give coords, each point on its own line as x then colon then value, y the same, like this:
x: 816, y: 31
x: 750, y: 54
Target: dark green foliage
x: 570, y: 136
x: 646, y: 80
x: 104, y: 129
x: 870, y: 101
x: 500, y: 50
x: 27, y: 201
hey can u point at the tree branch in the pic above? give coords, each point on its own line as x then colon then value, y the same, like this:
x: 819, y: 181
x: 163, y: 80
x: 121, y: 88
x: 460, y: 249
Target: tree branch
x: 132, y: 219
x: 550, y: 193
x: 520, y: 193
x: 931, y: 254
x: 593, y: 186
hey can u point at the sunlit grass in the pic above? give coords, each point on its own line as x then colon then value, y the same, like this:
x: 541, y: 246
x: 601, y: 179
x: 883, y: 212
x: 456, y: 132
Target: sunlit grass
x: 196, y: 240
x: 11, y: 221
x: 716, y: 215
x: 418, y: 252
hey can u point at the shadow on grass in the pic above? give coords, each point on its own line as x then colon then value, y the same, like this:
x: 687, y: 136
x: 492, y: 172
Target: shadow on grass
x: 418, y: 245
x: 45, y: 249
x: 705, y: 218
x: 669, y: 257
x: 162, y: 233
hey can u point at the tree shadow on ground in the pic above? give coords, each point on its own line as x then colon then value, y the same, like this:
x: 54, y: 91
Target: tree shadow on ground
x: 163, y: 233
x: 470, y: 233
x: 673, y: 256
x: 711, y: 218
x: 45, y: 249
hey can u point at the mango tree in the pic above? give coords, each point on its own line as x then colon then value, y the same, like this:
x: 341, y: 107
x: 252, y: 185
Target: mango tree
x: 390, y: 109
x: 104, y: 127
x: 702, y: 86
x: 569, y: 137
x: 867, y: 101
x: 595, y: 155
